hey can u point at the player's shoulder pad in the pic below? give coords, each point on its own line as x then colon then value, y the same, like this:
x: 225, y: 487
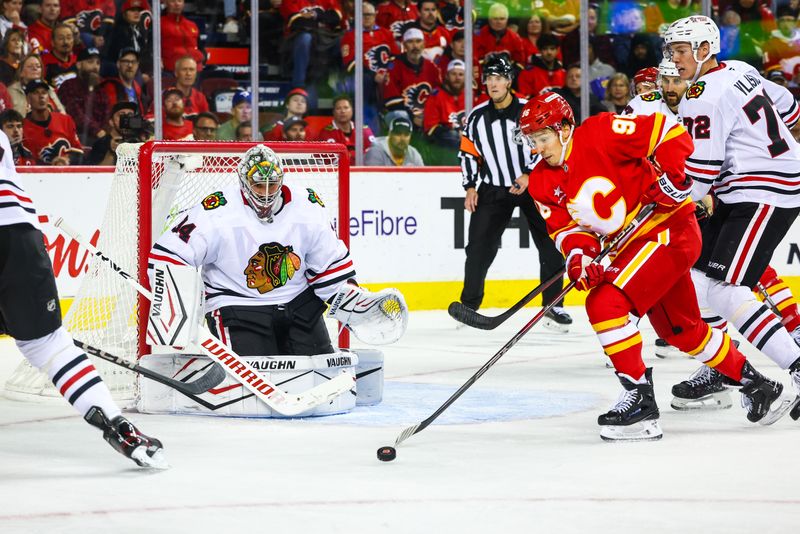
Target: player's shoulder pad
x: 652, y: 96
x: 696, y: 90
x: 314, y: 198
x: 214, y: 200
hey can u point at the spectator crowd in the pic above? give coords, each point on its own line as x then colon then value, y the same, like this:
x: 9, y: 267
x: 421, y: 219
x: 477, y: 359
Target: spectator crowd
x: 76, y: 76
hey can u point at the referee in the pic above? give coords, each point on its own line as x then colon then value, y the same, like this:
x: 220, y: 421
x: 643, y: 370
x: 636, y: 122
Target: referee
x: 495, y: 176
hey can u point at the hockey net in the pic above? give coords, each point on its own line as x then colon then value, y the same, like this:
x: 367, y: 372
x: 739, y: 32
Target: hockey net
x: 153, y: 184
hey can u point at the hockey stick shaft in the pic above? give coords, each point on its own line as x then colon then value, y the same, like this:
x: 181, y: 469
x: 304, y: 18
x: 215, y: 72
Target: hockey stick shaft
x: 212, y: 378
x: 232, y: 363
x: 768, y: 299
x: 410, y: 431
x: 419, y: 427
x: 470, y: 317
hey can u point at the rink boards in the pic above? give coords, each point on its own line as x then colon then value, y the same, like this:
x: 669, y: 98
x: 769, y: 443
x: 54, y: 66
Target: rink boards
x: 408, y: 229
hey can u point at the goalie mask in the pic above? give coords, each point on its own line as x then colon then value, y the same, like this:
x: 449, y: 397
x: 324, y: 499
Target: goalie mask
x: 260, y: 179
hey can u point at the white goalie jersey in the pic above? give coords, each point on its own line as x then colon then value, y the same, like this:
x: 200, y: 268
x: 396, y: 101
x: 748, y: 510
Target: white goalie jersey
x: 743, y: 149
x: 649, y: 103
x: 247, y: 262
x: 16, y: 207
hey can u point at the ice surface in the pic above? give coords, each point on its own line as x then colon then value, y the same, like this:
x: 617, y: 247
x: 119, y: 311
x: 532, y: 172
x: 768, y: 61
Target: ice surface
x: 520, y: 452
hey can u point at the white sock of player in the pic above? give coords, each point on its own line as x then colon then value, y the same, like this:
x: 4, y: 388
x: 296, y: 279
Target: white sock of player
x: 711, y: 317
x: 71, y: 371
x: 761, y: 327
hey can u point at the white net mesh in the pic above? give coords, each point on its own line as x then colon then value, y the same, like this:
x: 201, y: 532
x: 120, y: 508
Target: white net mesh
x: 104, y: 311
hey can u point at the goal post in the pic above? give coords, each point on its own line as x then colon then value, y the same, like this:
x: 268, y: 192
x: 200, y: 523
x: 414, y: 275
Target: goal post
x: 153, y: 184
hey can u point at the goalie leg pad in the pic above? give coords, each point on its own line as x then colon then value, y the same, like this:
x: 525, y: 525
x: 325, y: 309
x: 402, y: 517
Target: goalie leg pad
x: 369, y: 377
x: 176, y: 308
x: 293, y: 374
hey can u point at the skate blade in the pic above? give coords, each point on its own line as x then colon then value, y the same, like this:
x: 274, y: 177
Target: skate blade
x: 784, y: 404
x: 554, y: 326
x: 156, y: 461
x: 715, y: 401
x: 648, y: 430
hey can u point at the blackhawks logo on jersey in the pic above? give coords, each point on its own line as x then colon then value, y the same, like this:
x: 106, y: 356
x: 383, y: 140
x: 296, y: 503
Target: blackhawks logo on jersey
x: 313, y: 197
x: 696, y: 90
x: 271, y: 267
x: 651, y: 97
x: 213, y: 201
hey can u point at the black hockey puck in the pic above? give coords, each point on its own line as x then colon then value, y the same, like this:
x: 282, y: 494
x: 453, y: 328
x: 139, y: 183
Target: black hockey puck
x: 387, y: 454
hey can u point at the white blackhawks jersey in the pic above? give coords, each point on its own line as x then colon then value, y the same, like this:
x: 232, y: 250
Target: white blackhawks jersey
x: 16, y: 207
x: 246, y: 262
x: 649, y: 103
x: 743, y: 149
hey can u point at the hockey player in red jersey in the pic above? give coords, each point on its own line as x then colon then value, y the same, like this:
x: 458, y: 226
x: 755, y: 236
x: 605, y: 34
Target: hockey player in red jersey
x: 594, y: 179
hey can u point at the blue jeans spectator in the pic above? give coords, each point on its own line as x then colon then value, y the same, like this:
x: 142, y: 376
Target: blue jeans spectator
x: 301, y: 52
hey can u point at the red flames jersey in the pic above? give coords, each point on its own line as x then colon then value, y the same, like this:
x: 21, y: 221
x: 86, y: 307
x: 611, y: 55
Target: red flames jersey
x: 56, y: 138
x: 510, y: 42
x: 436, y: 40
x: 409, y: 84
x: 598, y: 189
x: 535, y: 79
x: 444, y: 109
x: 397, y: 18
x: 333, y: 134
x: 380, y: 49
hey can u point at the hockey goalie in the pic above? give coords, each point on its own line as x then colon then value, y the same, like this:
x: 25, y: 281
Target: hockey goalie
x: 270, y: 263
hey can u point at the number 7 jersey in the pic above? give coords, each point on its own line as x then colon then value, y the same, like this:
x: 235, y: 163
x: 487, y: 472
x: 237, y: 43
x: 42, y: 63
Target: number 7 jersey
x: 743, y: 149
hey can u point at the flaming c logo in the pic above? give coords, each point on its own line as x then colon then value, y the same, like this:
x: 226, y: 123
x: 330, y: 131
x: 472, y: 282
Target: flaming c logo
x: 379, y: 57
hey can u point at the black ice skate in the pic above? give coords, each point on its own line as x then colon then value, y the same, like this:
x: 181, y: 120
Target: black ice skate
x: 665, y: 350
x: 704, y: 390
x: 759, y: 396
x: 127, y: 440
x: 794, y: 372
x: 635, y: 416
x: 557, y: 319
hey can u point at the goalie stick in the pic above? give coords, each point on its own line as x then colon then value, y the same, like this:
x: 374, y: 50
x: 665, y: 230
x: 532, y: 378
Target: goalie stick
x: 470, y: 317
x: 422, y: 425
x: 277, y: 399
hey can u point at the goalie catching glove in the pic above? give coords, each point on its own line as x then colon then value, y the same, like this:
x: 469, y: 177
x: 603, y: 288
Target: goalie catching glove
x: 375, y: 318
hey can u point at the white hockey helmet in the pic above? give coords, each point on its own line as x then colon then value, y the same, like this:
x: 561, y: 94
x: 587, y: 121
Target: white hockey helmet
x: 667, y: 68
x: 694, y: 30
x: 261, y: 171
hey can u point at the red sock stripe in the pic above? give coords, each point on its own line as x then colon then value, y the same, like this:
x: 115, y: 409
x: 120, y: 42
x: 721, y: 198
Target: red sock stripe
x: 80, y: 374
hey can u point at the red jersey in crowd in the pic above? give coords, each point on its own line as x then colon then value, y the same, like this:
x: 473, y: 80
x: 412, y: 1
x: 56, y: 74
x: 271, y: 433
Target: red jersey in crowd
x: 436, y: 40
x: 397, y: 16
x: 333, y: 134
x: 539, y: 77
x: 444, y: 109
x: 177, y: 133
x: 73, y: 8
x: 380, y: 49
x: 600, y: 186
x: 56, y: 71
x: 40, y: 37
x: 179, y: 37
x: 116, y: 92
x: 488, y: 42
x: 50, y: 139
x: 326, y: 12
x: 410, y: 85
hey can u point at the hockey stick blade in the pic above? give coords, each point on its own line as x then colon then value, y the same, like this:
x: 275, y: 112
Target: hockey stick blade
x: 470, y: 317
x: 233, y: 364
x: 211, y: 379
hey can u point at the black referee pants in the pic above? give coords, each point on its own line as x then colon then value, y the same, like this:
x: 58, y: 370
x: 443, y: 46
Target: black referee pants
x: 486, y: 226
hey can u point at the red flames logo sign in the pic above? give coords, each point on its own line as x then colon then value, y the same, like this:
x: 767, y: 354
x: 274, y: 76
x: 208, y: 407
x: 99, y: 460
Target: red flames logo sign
x: 69, y: 254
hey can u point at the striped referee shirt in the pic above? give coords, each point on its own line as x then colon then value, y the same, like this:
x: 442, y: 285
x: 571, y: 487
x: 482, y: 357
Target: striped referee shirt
x: 488, y: 152
x: 16, y: 207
